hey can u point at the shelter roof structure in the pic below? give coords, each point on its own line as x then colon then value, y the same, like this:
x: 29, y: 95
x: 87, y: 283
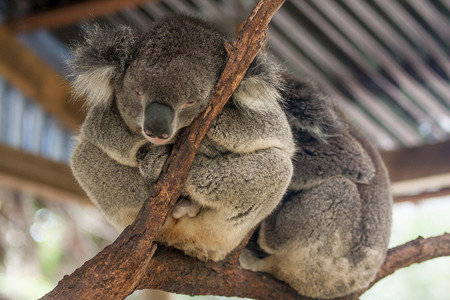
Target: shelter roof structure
x: 386, y: 63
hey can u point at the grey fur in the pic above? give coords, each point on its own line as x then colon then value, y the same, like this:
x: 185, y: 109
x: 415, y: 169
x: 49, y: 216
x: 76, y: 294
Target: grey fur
x: 330, y: 234
x: 243, y: 166
x: 326, y: 238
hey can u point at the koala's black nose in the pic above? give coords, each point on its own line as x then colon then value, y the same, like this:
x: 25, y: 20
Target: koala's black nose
x: 158, y: 121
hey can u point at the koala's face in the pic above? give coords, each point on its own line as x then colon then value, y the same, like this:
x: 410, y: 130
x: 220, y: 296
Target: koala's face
x: 159, y: 98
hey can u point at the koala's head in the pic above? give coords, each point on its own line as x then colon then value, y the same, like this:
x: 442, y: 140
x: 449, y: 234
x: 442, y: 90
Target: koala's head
x: 162, y: 78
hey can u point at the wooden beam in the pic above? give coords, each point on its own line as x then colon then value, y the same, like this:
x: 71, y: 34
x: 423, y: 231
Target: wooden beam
x: 55, y: 180
x: 425, y: 195
x: 39, y: 176
x: 418, y: 162
x: 71, y: 14
x: 419, y: 173
x: 25, y: 71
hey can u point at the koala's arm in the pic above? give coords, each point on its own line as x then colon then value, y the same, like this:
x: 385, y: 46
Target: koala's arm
x: 241, y: 130
x: 325, y: 145
x: 317, y: 161
x: 119, y: 191
x: 105, y: 128
x: 223, y: 182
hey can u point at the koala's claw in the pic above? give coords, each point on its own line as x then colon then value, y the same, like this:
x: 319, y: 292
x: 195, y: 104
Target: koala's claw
x: 143, y: 150
x: 185, y: 207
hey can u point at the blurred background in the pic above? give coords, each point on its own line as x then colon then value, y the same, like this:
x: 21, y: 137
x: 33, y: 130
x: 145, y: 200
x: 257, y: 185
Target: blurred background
x: 385, y: 62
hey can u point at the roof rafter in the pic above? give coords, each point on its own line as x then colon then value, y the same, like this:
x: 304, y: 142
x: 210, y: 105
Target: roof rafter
x: 418, y: 162
x: 71, y: 13
x: 419, y: 172
x: 39, y: 176
x: 414, y: 173
x: 26, y: 72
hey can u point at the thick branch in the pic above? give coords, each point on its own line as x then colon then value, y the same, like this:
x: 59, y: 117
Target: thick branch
x: 416, y: 251
x: 118, y: 269
x: 172, y: 271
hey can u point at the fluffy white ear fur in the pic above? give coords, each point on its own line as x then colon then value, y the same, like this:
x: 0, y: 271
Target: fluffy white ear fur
x: 257, y: 94
x: 95, y: 85
x: 315, y: 130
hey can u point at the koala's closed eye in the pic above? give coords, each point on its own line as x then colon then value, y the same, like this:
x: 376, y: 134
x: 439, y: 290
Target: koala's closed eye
x: 189, y: 103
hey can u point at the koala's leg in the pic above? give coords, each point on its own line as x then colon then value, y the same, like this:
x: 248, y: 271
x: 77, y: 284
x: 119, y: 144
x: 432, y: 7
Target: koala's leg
x: 235, y: 193
x: 314, y: 241
x: 118, y: 190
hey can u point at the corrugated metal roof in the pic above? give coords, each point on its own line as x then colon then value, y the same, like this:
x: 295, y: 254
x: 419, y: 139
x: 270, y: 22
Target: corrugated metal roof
x: 385, y: 62
x: 23, y: 125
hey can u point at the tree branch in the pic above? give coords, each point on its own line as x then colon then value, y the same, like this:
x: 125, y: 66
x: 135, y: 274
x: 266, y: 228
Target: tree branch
x: 172, y: 271
x: 118, y: 269
x: 416, y: 251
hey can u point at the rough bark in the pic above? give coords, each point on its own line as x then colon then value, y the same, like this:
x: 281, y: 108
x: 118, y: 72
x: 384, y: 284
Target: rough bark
x: 117, y: 270
x: 416, y: 251
x: 172, y: 271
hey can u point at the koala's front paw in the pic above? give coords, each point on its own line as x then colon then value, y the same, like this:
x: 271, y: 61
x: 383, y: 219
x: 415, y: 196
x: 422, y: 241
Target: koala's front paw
x: 143, y: 150
x: 185, y: 207
x: 151, y: 165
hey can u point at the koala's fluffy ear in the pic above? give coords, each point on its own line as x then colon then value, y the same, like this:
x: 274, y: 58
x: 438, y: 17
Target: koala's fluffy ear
x: 311, y: 110
x: 265, y: 86
x: 261, y: 86
x: 103, y: 55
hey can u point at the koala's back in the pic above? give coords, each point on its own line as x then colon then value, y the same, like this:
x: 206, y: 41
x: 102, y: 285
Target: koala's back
x: 328, y: 145
x: 329, y: 235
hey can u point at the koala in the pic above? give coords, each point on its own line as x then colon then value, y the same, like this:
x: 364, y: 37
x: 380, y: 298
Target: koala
x: 329, y: 235
x: 142, y: 87
x: 280, y: 156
